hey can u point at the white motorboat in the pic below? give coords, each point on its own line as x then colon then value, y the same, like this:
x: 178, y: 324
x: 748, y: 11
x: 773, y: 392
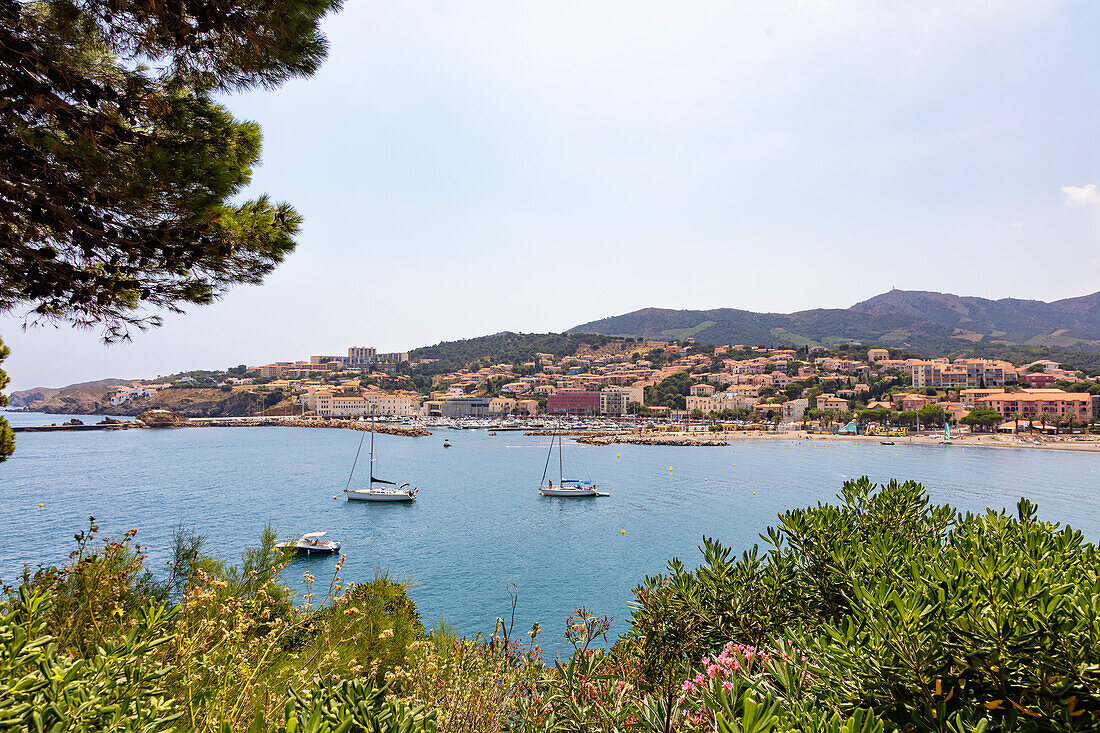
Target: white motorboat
x: 310, y: 544
x: 566, y: 487
x: 378, y: 489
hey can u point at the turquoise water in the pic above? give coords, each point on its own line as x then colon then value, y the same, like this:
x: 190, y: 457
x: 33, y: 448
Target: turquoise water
x: 480, y: 524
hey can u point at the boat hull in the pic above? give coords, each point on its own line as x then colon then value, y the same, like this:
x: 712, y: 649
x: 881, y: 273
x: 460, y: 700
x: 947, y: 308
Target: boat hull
x: 575, y: 493
x: 378, y: 496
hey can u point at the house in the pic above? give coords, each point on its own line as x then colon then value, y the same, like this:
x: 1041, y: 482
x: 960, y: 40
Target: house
x: 795, y: 410
x: 832, y: 402
x: 910, y: 402
x: 501, y: 405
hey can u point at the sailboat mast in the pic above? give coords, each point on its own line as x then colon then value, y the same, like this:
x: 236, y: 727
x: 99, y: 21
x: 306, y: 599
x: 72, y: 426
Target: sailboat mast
x: 372, y: 446
x: 561, y: 475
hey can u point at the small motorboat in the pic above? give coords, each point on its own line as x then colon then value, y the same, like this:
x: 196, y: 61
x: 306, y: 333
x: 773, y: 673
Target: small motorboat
x: 446, y: 443
x: 310, y: 544
x: 492, y: 432
x: 886, y: 442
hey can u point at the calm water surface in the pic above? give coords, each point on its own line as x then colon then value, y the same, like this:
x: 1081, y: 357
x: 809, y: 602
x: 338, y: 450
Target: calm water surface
x: 480, y: 524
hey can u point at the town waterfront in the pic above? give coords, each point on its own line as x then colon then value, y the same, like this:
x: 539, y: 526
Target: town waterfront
x: 479, y: 523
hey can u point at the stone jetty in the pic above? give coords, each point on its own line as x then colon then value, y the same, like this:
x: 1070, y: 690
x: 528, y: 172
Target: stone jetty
x: 680, y: 439
x: 264, y: 422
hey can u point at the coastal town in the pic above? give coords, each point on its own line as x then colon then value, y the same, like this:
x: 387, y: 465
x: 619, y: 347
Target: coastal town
x: 851, y: 389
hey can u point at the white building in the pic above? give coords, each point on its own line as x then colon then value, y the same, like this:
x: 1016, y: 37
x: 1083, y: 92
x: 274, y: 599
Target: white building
x: 616, y: 400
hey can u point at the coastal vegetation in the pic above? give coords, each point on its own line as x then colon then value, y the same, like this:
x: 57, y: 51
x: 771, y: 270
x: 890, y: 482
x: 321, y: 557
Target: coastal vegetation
x: 880, y: 612
x: 7, y: 437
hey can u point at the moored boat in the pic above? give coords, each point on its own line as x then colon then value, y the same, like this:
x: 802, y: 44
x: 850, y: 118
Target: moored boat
x: 378, y: 489
x: 310, y: 544
x: 566, y: 487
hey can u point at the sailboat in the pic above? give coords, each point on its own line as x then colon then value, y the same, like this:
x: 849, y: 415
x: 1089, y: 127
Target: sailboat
x: 946, y: 433
x: 378, y: 489
x: 569, y: 487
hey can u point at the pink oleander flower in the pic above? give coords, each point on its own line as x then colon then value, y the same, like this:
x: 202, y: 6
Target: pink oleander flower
x: 727, y: 685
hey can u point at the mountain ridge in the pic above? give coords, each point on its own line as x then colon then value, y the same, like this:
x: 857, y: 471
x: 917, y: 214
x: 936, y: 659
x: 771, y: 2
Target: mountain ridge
x: 923, y: 321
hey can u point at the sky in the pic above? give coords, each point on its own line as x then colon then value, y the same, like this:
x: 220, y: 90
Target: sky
x: 468, y: 168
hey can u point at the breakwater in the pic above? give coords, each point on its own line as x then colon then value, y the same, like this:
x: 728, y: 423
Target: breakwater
x: 679, y: 439
x: 261, y: 422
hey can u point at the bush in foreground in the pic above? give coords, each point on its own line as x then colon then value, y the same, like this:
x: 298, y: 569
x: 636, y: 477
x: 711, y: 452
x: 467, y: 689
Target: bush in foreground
x: 881, y: 613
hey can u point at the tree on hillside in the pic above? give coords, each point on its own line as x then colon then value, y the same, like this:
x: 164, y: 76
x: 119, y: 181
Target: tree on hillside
x: 118, y: 169
x: 119, y: 172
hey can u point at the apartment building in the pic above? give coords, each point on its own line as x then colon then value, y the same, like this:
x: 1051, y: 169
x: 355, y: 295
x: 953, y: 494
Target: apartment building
x: 616, y: 400
x: 328, y: 403
x: 573, y: 402
x: 795, y: 410
x: 501, y: 405
x: 960, y: 373
x: 970, y: 397
x: 1032, y: 403
x: 720, y: 402
x: 832, y: 402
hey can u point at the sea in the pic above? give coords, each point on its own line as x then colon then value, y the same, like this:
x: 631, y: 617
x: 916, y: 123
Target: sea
x: 479, y: 531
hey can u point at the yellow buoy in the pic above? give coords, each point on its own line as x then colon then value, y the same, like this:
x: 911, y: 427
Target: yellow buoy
x: 41, y: 504
x: 670, y: 468
x: 618, y: 455
x: 334, y: 497
x: 622, y: 531
x: 754, y: 493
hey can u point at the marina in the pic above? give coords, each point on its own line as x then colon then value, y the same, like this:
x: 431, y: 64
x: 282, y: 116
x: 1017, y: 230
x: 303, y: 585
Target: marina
x: 479, y: 524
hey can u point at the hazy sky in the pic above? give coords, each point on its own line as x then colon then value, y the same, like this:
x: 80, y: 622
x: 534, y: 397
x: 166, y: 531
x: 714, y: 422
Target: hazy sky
x: 467, y: 168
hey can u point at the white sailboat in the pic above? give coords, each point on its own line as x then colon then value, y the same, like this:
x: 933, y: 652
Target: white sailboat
x: 378, y: 489
x: 567, y: 487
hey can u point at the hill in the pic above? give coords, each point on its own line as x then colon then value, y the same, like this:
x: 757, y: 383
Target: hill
x: 927, y: 323
x: 36, y: 395
x: 506, y: 347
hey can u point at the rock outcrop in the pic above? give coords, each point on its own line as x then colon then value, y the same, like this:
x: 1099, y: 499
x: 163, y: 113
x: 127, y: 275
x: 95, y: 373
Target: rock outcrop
x: 162, y: 419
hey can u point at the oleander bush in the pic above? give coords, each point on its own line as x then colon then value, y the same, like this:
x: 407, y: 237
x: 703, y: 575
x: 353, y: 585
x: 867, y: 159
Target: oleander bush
x: 932, y: 619
x: 882, y: 612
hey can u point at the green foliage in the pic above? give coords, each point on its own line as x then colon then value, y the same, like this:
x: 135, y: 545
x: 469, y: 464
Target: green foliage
x: 117, y: 686
x: 119, y: 172
x: 500, y: 348
x: 7, y: 437
x: 982, y: 418
x: 347, y: 706
x: 671, y: 392
x: 936, y: 620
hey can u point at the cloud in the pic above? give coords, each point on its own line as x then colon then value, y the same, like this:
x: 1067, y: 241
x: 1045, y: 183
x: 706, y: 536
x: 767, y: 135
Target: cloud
x: 1082, y: 195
